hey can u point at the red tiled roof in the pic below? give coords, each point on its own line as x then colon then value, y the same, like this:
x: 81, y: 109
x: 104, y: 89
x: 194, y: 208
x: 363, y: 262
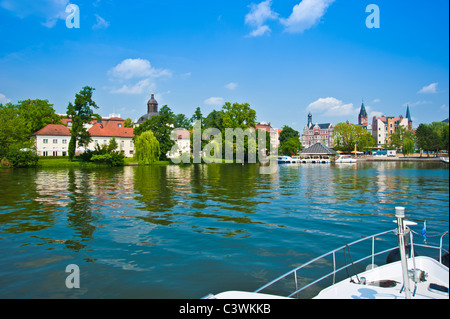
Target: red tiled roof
x: 111, y: 129
x: 53, y: 130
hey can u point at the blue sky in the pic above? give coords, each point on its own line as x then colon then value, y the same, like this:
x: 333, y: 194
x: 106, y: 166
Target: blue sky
x: 284, y: 57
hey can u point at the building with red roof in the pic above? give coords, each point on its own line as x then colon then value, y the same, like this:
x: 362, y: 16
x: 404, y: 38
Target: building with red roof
x: 53, y: 139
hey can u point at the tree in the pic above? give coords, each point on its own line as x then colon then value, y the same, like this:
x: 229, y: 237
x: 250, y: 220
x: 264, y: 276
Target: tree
x: 146, y: 148
x: 289, y: 141
x: 347, y: 135
x: 238, y: 115
x: 13, y: 131
x: 398, y: 139
x: 291, y: 146
x: 37, y: 114
x: 128, y: 122
x: 181, y: 121
x: 161, y: 125
x: 288, y: 133
x: 408, y: 146
x: 81, y: 112
x: 197, y: 116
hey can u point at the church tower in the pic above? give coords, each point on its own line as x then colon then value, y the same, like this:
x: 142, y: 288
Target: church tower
x: 408, y: 116
x: 363, y: 118
x: 309, y: 120
x: 152, y: 105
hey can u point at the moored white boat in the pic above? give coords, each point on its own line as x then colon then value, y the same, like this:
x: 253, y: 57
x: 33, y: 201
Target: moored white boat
x: 444, y: 159
x: 411, y: 277
x: 345, y: 159
x: 287, y: 160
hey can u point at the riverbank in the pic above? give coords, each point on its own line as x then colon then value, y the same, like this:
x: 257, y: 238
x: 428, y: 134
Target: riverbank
x: 372, y: 158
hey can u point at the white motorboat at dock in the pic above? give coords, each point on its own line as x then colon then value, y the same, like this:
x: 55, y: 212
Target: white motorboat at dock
x: 345, y: 159
x: 406, y: 274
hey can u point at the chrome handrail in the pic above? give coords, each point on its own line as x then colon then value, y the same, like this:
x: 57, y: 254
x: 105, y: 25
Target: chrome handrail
x: 335, y: 271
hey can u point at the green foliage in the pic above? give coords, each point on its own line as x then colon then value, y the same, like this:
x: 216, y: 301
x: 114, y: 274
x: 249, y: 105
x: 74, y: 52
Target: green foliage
x: 432, y: 137
x: 291, y: 146
x: 147, y: 150
x: 347, y: 135
x: 22, y: 158
x: 161, y: 125
x: 37, y: 114
x: 238, y: 115
x: 81, y: 112
x: 128, y: 122
x: 105, y: 153
x: 398, y: 139
x: 111, y: 159
x: 290, y: 141
x: 13, y: 130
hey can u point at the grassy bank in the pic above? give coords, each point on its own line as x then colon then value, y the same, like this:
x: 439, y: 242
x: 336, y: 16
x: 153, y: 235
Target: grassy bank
x: 63, y: 162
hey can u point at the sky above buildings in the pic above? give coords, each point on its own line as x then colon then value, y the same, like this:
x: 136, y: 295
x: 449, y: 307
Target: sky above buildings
x: 285, y: 58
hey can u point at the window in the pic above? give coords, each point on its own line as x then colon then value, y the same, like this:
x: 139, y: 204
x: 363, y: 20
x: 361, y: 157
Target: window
x: 55, y: 153
x: 45, y: 141
x: 131, y: 143
x: 131, y: 151
x: 104, y: 141
x: 55, y: 141
x: 120, y: 124
x: 44, y: 153
x: 64, y: 141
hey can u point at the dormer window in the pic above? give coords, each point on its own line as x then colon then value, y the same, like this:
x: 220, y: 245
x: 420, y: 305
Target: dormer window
x: 120, y: 124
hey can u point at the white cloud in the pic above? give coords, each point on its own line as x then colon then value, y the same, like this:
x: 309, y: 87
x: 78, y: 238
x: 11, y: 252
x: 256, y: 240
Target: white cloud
x: 432, y: 88
x: 257, y: 17
x: 50, y: 10
x: 331, y: 106
x: 137, y: 68
x: 231, y: 86
x: 376, y: 101
x: 4, y: 99
x: 305, y: 15
x: 215, y: 101
x: 101, y: 23
x: 138, y: 88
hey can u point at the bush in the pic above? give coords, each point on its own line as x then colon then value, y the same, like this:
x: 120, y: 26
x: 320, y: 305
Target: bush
x: 111, y: 159
x: 22, y: 158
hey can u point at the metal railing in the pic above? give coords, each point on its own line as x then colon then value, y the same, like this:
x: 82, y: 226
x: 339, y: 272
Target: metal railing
x: 351, y: 263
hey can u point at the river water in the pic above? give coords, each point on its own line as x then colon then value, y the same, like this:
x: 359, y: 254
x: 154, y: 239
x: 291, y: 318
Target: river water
x: 186, y: 231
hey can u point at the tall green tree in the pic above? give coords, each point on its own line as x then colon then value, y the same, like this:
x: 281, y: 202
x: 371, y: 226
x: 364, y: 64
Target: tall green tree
x: 398, y: 139
x: 13, y: 129
x: 81, y: 112
x: 37, y: 114
x: 347, y: 135
x: 147, y: 150
x: 289, y: 141
x: 161, y: 125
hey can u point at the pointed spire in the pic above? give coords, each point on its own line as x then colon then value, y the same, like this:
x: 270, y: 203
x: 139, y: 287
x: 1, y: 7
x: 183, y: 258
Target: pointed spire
x: 363, y: 112
x: 408, y: 114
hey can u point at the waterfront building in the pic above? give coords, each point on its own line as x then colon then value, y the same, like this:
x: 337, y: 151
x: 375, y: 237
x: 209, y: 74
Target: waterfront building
x: 318, y: 150
x: 317, y: 133
x: 152, y: 109
x: 104, y: 130
x: 275, y: 137
x: 52, y: 140
x: 383, y: 127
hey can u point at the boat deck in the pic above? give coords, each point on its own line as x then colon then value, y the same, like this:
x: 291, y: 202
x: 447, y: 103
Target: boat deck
x: 373, y: 289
